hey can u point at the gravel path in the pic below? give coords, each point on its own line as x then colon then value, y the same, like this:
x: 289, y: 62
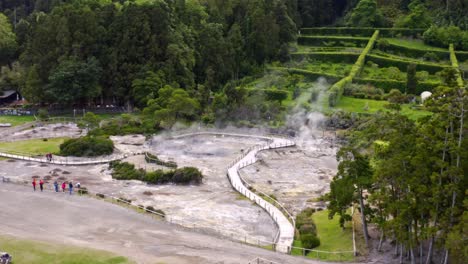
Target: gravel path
x: 88, y: 222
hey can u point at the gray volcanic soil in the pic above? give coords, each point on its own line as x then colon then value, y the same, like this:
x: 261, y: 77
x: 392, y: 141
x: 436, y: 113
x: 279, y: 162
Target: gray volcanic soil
x: 214, y: 203
x: 295, y: 175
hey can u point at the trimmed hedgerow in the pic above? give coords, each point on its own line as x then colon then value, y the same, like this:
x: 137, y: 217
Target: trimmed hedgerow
x: 388, y: 85
x: 331, y: 40
x: 454, y: 61
x: 150, y: 158
x: 183, y: 176
x: 362, y: 31
x: 88, y: 146
x: 347, y: 57
x: 310, y: 75
x: 337, y: 89
x: 402, y: 64
x: 307, y: 229
x: 414, y: 52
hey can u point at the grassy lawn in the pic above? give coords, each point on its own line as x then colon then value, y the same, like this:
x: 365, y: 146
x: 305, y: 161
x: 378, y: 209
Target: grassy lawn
x: 16, y: 120
x: 356, y: 105
x: 415, y: 44
x: 332, y: 238
x: 24, y: 251
x: 33, y: 146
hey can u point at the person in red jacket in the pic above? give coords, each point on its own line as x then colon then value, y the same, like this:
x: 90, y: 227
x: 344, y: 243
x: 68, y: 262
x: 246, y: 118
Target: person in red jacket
x: 34, y: 183
x: 41, y: 184
x: 64, y: 186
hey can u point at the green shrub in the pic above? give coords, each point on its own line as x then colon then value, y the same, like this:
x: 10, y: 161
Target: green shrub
x: 387, y: 84
x: 412, y: 52
x: 150, y: 158
x: 431, y: 56
x: 308, y: 228
x: 82, y: 190
x: 444, y: 36
x: 88, y: 146
x: 42, y: 114
x: 310, y: 241
x: 100, y: 195
x: 127, y: 171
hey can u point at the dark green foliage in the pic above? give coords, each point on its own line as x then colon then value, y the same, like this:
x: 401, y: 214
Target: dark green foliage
x: 88, y: 146
x: 310, y: 241
x: 100, y: 195
x: 444, y: 36
x: 366, y: 14
x: 159, y: 212
x: 418, y: 16
x: 411, y: 80
x: 183, y: 176
x: 150, y: 158
x: 307, y: 229
x: 82, y: 190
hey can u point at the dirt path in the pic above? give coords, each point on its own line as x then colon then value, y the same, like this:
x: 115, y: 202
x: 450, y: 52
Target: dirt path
x: 92, y: 223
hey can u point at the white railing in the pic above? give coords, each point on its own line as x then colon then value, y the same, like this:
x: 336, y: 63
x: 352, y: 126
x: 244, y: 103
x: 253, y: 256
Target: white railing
x: 59, y: 160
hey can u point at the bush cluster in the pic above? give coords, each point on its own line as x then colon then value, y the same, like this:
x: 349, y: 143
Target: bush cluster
x: 444, y: 36
x: 150, y: 158
x: 88, y: 146
x: 310, y: 75
x: 364, y: 91
x: 184, y: 176
x: 307, y: 229
x: 363, y: 31
x: 124, y: 125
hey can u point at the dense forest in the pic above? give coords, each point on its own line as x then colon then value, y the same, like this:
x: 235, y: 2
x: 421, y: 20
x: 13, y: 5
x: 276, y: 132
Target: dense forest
x: 189, y: 60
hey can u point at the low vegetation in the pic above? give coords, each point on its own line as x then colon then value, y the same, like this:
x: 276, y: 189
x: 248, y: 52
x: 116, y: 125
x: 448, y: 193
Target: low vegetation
x: 33, y: 146
x: 88, y: 146
x: 25, y: 251
x: 183, y: 176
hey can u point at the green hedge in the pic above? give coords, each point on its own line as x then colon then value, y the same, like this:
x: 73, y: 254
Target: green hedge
x: 402, y: 64
x: 150, y: 158
x: 337, y: 89
x: 310, y: 75
x: 362, y: 31
x: 414, y: 52
x: 127, y: 171
x: 88, y: 146
x: 454, y: 61
x: 332, y: 40
x: 387, y: 85
x: 348, y: 57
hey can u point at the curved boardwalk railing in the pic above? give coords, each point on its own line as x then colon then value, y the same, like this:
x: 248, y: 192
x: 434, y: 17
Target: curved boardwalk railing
x: 58, y: 160
x: 285, y: 237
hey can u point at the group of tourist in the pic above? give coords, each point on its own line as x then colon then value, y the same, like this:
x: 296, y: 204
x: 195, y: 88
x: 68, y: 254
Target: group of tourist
x: 56, y: 186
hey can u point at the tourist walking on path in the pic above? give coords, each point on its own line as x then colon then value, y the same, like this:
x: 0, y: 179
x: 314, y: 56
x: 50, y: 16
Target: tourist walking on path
x: 70, y: 187
x: 64, y: 185
x: 56, y: 186
x: 34, y: 184
x: 41, y: 185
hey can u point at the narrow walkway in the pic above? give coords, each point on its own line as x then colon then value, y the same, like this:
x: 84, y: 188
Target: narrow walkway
x: 285, y: 238
x: 76, y: 161
x: 286, y: 229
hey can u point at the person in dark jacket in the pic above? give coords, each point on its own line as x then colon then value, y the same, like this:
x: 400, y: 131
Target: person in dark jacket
x: 41, y: 184
x: 56, y: 186
x: 70, y: 187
